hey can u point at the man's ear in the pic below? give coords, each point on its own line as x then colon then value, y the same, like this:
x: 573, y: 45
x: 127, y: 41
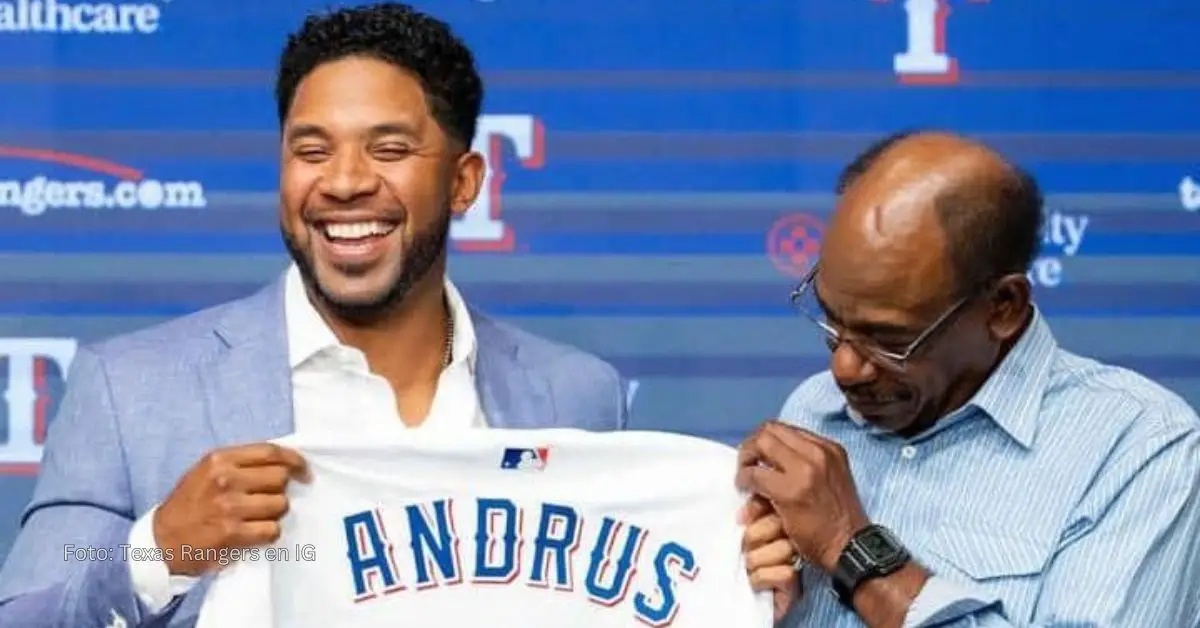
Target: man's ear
x: 469, y: 171
x: 1009, y: 304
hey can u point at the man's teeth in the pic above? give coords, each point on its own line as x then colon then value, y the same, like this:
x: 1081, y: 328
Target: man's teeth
x: 356, y: 230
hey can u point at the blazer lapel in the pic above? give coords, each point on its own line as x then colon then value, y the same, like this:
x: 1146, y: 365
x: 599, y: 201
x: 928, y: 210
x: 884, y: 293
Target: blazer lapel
x: 512, y: 395
x: 249, y: 384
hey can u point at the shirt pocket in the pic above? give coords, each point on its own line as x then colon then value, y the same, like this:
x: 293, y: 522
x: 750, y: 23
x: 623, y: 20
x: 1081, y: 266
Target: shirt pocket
x: 989, y: 556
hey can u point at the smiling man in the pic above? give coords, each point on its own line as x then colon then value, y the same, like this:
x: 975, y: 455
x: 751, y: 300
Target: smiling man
x: 955, y: 466
x: 159, y: 452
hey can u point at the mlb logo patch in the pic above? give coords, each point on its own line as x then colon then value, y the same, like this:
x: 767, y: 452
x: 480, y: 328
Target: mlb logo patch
x: 522, y: 458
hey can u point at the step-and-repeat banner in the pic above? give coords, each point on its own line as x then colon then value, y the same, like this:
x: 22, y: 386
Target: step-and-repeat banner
x: 660, y: 173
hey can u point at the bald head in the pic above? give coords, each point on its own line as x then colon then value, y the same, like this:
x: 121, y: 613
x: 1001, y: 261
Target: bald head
x: 936, y: 210
x: 923, y: 220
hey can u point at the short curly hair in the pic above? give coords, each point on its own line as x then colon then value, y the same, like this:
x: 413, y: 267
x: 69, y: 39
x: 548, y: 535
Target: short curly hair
x: 398, y: 34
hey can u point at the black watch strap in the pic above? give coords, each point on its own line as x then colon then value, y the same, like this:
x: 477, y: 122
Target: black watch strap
x: 872, y: 553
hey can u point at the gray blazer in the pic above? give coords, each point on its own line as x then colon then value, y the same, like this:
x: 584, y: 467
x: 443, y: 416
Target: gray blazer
x: 140, y: 409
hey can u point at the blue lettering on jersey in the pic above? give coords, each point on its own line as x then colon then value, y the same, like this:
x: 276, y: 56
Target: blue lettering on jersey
x: 497, y: 541
x: 557, y: 539
x: 663, y: 613
x: 434, y: 551
x: 603, y: 568
x: 370, y: 554
x: 610, y: 561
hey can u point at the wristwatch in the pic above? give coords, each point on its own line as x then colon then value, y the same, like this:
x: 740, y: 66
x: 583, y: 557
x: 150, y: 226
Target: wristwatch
x: 872, y: 553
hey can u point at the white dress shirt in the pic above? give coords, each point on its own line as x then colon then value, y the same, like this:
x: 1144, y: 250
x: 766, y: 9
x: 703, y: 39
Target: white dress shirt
x: 333, y: 389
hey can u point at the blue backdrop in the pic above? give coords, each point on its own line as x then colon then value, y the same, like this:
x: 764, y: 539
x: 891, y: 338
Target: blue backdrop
x: 661, y: 171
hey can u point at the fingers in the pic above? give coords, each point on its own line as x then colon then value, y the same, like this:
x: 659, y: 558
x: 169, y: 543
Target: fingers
x: 258, y: 507
x: 803, y: 441
x: 785, y: 597
x: 755, y: 508
x: 257, y: 468
x: 779, y: 578
x: 764, y: 481
x: 748, y: 450
x: 248, y: 455
x: 791, y: 450
x: 250, y: 533
x: 294, y: 462
x: 762, y: 530
x: 777, y: 553
x: 772, y: 444
x: 774, y: 451
x: 232, y: 498
x: 263, y: 454
x: 252, y: 480
x: 262, y: 479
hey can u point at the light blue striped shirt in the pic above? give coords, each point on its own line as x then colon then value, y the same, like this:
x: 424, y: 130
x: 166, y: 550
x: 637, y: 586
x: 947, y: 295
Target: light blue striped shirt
x: 1066, y: 493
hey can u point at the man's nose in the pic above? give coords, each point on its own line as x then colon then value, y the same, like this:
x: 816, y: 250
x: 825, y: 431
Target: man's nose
x: 850, y: 368
x: 348, y: 176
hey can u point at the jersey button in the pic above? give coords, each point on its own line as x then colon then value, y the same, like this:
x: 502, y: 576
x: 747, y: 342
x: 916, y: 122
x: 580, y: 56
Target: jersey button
x: 908, y: 452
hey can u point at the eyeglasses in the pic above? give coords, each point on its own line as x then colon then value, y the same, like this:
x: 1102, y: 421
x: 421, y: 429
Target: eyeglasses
x: 804, y: 299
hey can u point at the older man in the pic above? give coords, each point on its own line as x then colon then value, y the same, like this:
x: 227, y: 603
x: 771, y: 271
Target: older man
x: 955, y: 465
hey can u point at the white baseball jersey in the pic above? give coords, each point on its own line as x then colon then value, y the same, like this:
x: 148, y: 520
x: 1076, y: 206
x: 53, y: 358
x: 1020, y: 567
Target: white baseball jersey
x: 529, y: 528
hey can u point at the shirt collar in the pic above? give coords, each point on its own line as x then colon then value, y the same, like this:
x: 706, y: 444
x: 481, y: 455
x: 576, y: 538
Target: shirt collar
x: 308, y: 334
x: 1012, y: 396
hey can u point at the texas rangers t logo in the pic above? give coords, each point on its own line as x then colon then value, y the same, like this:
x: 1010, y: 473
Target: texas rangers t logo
x: 926, y: 60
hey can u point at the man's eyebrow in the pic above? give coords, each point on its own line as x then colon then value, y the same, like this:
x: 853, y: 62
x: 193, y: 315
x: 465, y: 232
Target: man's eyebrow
x: 393, y: 128
x: 304, y: 130
x: 865, y: 328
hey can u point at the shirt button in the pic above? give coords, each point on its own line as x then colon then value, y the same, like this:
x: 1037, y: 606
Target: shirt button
x: 908, y: 452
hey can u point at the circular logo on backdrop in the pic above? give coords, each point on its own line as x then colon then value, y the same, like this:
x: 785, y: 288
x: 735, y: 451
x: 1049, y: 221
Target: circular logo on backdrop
x: 794, y: 243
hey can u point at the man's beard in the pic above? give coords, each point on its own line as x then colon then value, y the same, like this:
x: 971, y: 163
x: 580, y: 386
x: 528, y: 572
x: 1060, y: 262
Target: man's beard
x: 427, y: 246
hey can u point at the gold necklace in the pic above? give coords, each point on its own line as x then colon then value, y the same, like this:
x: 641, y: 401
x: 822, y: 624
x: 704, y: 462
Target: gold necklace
x: 448, y: 351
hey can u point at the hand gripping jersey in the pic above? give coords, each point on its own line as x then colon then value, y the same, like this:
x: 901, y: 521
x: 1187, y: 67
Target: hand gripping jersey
x: 532, y: 528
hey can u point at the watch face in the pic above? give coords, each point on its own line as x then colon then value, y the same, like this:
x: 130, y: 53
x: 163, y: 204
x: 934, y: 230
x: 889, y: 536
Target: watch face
x: 877, y: 544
